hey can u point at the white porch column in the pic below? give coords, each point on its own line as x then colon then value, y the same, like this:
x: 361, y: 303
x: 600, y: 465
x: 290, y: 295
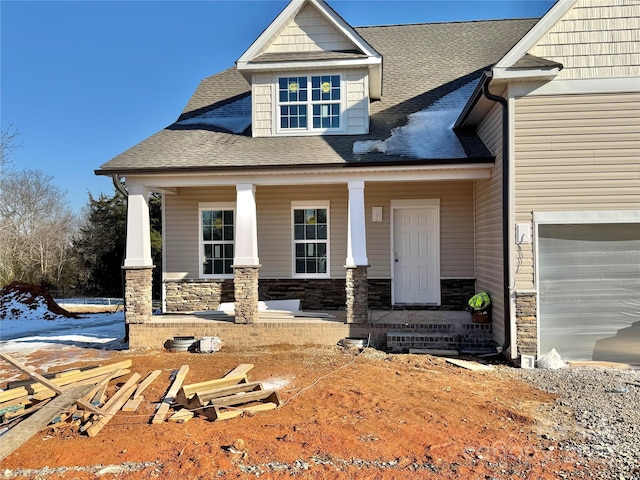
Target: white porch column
x: 356, y: 232
x: 246, y: 238
x: 138, y: 251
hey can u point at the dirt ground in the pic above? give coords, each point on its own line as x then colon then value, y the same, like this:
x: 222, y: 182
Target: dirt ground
x: 346, y: 414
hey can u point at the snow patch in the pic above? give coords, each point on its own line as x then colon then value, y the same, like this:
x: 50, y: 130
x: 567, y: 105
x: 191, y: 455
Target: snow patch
x: 429, y: 133
x: 234, y: 117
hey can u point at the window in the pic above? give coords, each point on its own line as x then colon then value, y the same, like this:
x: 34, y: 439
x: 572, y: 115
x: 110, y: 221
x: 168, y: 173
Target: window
x: 311, y: 240
x: 308, y: 103
x: 216, y: 241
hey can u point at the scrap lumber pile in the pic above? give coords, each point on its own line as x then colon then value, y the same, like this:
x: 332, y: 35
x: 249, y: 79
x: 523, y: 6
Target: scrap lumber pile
x: 226, y: 397
x: 80, y: 399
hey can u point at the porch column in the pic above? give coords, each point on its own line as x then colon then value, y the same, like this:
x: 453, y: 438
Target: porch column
x: 357, y: 288
x: 246, y: 262
x: 138, y: 265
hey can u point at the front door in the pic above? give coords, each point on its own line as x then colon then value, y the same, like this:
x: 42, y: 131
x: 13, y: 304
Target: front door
x: 416, y: 255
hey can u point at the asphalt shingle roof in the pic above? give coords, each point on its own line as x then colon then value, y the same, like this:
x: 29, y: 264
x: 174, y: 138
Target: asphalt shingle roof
x: 421, y: 63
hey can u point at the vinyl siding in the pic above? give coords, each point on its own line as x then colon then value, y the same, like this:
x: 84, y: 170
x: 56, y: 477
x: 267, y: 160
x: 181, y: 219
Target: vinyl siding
x: 488, y: 223
x: 596, y: 39
x: 574, y: 153
x: 310, y: 31
x: 274, y: 226
x: 261, y: 89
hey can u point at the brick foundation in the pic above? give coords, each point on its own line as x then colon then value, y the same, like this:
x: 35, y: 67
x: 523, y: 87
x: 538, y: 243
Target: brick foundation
x: 197, y: 295
x: 356, y: 290
x: 526, y: 324
x: 245, y: 282
x: 137, y: 294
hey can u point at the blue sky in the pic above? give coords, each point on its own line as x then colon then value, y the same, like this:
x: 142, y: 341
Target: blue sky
x: 82, y: 81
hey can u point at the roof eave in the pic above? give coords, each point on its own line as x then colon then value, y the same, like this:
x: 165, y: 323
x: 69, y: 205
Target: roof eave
x: 518, y: 74
x: 374, y: 64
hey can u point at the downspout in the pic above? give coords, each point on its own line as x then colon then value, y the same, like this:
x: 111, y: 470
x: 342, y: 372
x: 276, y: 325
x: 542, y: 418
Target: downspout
x: 117, y: 183
x: 506, y: 260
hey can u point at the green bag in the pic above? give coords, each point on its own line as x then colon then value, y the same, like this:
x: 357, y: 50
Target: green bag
x: 480, y: 301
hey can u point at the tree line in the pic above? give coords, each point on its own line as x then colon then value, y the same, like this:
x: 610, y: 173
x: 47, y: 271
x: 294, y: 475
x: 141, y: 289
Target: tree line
x: 43, y: 242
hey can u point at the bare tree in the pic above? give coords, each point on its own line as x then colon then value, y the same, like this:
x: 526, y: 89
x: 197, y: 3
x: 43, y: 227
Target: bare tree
x: 36, y: 228
x: 8, y: 143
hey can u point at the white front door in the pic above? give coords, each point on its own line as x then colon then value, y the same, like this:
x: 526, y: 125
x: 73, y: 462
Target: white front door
x: 416, y: 255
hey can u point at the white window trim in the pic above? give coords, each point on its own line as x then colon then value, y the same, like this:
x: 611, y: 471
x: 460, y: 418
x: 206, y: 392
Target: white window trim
x: 297, y: 205
x: 213, y: 206
x: 309, y: 131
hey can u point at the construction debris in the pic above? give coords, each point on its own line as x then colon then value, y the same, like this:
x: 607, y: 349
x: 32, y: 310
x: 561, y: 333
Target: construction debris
x: 469, y: 365
x: 81, y: 399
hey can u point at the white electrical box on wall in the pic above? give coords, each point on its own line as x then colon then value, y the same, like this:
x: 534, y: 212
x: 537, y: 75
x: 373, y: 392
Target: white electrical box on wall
x: 376, y: 214
x: 523, y: 233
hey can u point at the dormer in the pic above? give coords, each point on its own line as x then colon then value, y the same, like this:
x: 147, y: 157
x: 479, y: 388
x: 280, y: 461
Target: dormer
x: 311, y: 74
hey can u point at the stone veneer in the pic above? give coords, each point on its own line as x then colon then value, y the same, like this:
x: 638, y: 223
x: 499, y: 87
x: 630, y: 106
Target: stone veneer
x: 137, y: 294
x: 526, y: 324
x: 196, y: 295
x: 245, y: 282
x: 193, y: 295
x: 357, y: 294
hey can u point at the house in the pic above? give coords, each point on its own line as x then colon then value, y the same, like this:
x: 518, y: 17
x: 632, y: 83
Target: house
x: 407, y: 166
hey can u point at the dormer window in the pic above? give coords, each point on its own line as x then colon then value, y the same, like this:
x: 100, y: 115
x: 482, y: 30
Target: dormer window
x: 309, y: 104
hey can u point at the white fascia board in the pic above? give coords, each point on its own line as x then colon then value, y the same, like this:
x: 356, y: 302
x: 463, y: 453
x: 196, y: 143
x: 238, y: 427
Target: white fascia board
x: 534, y: 35
x: 346, y: 29
x: 478, y: 171
x: 577, y: 86
x: 256, y: 47
x: 525, y: 74
x: 277, y: 66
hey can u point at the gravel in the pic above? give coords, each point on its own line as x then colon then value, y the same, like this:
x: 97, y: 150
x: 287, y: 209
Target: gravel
x: 606, y: 409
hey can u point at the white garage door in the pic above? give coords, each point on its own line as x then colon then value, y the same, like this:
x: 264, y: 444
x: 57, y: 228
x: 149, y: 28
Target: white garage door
x: 589, y: 291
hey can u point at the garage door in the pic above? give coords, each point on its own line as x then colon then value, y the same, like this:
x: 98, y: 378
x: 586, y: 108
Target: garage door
x: 589, y: 291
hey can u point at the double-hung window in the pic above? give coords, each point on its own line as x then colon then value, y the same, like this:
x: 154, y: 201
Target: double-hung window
x: 217, y: 238
x: 310, y: 239
x: 310, y: 103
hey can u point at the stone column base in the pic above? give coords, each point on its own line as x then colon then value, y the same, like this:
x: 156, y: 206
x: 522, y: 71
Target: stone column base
x: 526, y: 324
x: 357, y: 291
x: 137, y: 294
x: 245, y: 285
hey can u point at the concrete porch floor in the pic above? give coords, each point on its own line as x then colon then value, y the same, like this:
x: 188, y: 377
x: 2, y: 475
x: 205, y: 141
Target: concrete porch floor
x: 407, y: 328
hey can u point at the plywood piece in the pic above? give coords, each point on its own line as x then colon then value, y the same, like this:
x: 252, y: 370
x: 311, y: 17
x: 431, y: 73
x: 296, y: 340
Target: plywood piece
x: 170, y: 396
x: 26, y: 429
x: 475, y: 366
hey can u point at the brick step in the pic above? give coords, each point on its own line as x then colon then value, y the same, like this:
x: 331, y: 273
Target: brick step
x: 403, y: 341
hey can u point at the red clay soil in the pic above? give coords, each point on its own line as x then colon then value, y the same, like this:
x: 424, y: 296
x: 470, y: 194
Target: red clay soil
x: 370, y: 416
x: 30, y: 294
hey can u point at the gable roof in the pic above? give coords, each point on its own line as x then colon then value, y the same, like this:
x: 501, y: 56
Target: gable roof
x: 423, y: 63
x: 351, y: 50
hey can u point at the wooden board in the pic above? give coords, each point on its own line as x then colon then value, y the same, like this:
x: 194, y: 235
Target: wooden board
x: 214, y: 413
x: 170, y: 396
x: 36, y: 387
x: 146, y: 382
x: 242, y: 398
x: 47, y: 383
x: 26, y: 429
x: 181, y: 416
x: 601, y: 364
x: 475, y: 366
x: 240, y: 371
x: 186, y: 393
x: 201, y: 399
x: 127, y: 390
